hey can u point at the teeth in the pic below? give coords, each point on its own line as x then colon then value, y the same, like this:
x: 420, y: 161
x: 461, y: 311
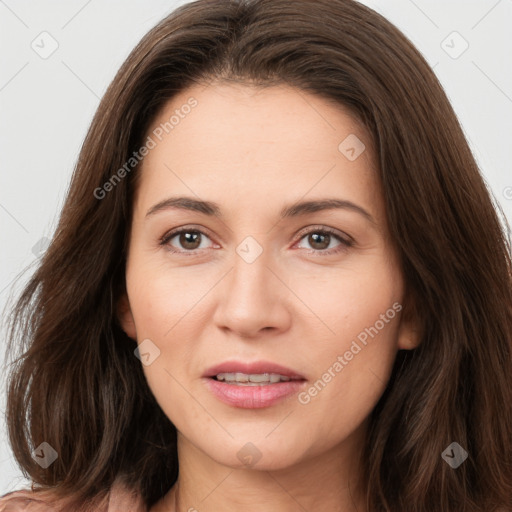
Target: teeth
x: 252, y: 379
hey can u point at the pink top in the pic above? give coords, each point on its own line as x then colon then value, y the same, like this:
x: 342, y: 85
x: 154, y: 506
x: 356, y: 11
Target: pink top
x: 121, y: 500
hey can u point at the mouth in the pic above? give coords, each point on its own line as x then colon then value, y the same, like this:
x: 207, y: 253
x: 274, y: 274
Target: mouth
x: 255, y: 372
x: 253, y: 379
x: 252, y: 385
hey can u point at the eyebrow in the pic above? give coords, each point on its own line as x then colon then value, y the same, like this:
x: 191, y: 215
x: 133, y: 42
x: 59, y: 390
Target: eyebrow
x: 294, y: 210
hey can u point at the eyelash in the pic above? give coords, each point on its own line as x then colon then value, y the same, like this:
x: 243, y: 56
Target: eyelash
x: 344, y: 243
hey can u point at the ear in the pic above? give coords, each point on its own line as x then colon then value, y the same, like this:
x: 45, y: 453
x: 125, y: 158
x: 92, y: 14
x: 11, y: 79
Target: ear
x: 409, y: 330
x: 125, y: 316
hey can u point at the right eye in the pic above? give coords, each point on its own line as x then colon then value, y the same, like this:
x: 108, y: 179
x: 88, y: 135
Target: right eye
x: 186, y: 240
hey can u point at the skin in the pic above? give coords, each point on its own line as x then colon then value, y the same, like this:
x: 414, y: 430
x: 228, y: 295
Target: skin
x: 254, y: 151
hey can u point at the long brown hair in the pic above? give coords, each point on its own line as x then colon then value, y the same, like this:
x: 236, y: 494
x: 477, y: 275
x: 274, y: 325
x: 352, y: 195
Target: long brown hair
x: 76, y: 383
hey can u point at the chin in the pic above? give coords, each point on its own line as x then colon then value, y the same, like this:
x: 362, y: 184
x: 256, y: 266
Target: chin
x: 259, y: 455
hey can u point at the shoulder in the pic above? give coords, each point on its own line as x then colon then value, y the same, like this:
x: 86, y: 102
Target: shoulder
x: 121, y: 499
x: 24, y: 499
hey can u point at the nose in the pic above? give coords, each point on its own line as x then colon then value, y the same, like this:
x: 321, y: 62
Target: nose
x: 252, y: 299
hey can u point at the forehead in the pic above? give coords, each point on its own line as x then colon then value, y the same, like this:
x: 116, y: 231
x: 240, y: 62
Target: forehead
x: 232, y: 142
x: 281, y: 118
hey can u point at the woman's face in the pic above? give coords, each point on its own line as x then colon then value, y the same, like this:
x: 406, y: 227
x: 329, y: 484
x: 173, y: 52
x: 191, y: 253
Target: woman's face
x: 264, y: 273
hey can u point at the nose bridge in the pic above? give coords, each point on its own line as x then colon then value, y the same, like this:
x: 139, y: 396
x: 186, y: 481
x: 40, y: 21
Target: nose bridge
x: 250, y: 277
x: 251, y: 298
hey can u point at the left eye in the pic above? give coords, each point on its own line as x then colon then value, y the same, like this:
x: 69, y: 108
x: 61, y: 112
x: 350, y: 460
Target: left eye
x: 321, y: 240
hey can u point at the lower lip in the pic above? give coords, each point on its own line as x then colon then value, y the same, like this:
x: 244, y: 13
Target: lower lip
x: 253, y: 397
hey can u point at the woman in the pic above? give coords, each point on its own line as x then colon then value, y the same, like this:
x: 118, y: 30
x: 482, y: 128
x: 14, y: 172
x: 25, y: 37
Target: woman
x: 278, y: 270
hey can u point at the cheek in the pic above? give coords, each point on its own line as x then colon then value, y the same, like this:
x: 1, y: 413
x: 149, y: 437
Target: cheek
x: 353, y: 358
x: 349, y: 299
x: 168, y: 309
x: 350, y: 378
x: 161, y: 305
x: 165, y: 299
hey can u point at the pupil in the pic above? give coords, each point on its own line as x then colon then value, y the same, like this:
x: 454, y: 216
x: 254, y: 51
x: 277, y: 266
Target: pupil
x: 189, y: 240
x: 316, y: 238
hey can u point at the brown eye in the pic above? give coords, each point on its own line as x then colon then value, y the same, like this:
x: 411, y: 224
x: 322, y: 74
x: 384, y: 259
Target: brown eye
x: 325, y: 241
x: 319, y: 240
x: 184, y: 241
x: 189, y: 239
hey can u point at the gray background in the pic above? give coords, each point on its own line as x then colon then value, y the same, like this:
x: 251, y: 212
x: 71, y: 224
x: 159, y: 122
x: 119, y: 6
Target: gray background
x: 46, y: 105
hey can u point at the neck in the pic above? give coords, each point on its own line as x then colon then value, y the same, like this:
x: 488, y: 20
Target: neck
x: 331, y: 481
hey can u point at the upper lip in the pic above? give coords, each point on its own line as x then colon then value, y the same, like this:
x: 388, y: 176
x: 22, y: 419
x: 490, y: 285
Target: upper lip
x: 256, y: 367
